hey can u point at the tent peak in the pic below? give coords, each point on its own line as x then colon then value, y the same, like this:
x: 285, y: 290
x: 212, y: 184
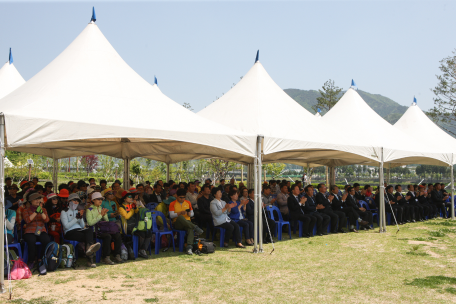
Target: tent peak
x: 94, y: 17
x: 10, y: 58
x: 353, y: 85
x: 414, y: 101
x: 257, y: 56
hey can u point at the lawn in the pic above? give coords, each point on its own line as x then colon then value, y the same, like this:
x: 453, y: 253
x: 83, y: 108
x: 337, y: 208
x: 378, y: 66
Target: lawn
x: 417, y: 265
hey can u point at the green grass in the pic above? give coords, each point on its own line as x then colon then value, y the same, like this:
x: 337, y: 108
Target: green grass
x: 368, y: 267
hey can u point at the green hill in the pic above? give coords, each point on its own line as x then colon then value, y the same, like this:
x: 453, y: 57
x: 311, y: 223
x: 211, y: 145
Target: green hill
x: 385, y: 107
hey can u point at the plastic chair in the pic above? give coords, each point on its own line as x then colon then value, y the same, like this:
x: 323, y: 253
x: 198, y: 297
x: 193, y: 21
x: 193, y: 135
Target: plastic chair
x: 151, y: 206
x: 180, y: 236
x: 16, y: 244
x: 366, y: 206
x: 74, y: 243
x: 160, y: 232
x: 280, y: 223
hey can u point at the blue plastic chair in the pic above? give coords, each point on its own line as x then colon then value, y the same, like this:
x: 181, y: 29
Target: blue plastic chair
x: 280, y: 223
x: 366, y: 205
x: 180, y: 236
x: 74, y: 243
x: 160, y: 232
x: 222, y: 235
x: 16, y: 244
x: 151, y: 206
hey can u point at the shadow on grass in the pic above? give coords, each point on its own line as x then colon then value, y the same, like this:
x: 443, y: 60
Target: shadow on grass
x: 435, y: 282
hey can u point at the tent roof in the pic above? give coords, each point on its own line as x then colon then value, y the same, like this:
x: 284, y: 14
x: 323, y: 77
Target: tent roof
x: 10, y: 79
x: 356, y: 121
x: 414, y: 119
x: 89, y: 101
x: 291, y: 133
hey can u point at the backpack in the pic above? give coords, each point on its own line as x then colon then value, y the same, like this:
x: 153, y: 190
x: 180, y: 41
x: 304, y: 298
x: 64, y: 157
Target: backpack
x: 130, y: 223
x: 144, y: 220
x: 66, y: 254
x: 106, y: 227
x: 203, y: 246
x: 51, y: 258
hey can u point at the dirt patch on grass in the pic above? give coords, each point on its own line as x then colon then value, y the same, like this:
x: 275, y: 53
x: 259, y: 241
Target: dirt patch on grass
x: 443, y: 247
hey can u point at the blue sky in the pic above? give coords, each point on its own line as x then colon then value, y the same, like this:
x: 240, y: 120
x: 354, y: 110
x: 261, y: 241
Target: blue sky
x: 198, y: 50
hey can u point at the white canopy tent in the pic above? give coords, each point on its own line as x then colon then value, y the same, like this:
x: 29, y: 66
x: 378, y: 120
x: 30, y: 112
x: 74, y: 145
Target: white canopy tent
x: 415, y: 120
x: 89, y: 101
x: 10, y: 79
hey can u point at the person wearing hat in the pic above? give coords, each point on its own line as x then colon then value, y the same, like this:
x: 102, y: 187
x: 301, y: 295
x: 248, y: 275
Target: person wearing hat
x: 36, y: 218
x: 197, y: 185
x: 13, y: 198
x: 95, y: 214
x: 74, y: 228
x: 48, y: 188
x: 82, y: 191
x: 181, y: 212
x: 110, y: 204
x: 54, y: 208
x: 63, y: 198
x: 23, y: 206
x: 127, y: 209
x: 24, y: 185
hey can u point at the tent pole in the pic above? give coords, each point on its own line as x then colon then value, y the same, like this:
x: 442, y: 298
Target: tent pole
x: 258, y: 194
x: 55, y: 173
x: 248, y: 176
x: 126, y: 177
x: 452, y: 189
x: 382, y: 195
x: 167, y: 173
x: 255, y: 212
x: 2, y: 200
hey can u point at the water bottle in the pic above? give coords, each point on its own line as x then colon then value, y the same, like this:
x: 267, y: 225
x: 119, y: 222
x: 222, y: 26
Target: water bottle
x: 69, y: 261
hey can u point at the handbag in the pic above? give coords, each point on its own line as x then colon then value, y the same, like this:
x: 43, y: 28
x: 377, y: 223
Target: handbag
x: 107, y: 227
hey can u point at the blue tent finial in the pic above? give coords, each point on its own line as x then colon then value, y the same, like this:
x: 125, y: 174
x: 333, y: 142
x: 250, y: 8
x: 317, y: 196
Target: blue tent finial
x: 353, y: 83
x: 10, y: 57
x: 318, y: 110
x: 94, y: 17
x: 414, y: 99
x: 155, y: 80
x: 257, y: 56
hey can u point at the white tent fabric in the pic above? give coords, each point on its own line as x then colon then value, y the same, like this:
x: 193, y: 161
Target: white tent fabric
x: 10, y: 79
x: 89, y: 101
x: 415, y: 120
x: 291, y: 133
x: 356, y: 121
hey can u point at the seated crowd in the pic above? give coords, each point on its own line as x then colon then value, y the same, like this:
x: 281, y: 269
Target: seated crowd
x: 38, y: 214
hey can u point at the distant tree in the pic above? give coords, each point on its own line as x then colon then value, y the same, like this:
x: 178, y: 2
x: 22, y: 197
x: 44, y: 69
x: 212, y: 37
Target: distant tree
x: 445, y: 92
x: 187, y: 106
x: 329, y: 96
x: 274, y: 170
x: 90, y: 162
